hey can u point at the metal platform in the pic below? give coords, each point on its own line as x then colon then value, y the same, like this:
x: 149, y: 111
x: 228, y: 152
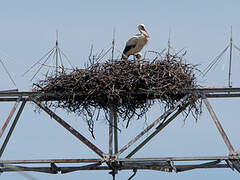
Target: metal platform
x: 112, y: 160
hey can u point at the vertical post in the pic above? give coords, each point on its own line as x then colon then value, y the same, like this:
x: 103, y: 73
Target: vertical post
x: 111, y: 132
x: 219, y: 126
x: 230, y: 62
x: 12, y: 128
x: 115, y: 131
x: 56, y: 51
x: 113, y: 113
x: 169, y: 43
x: 113, y: 44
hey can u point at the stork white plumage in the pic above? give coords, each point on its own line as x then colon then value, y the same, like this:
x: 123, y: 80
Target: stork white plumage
x: 135, y: 44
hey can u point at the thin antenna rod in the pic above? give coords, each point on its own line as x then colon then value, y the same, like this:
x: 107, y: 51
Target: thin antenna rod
x: 56, y: 52
x: 113, y: 44
x: 230, y: 62
x: 56, y: 36
x: 169, y: 41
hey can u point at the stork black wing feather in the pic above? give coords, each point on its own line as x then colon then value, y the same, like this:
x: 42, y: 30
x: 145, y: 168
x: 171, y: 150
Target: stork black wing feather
x: 126, y: 49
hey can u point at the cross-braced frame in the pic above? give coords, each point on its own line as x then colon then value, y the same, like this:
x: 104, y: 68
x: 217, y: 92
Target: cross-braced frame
x: 112, y: 160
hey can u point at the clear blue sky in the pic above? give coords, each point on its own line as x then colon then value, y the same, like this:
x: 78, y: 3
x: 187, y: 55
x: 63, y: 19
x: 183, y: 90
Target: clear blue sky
x: 28, y: 31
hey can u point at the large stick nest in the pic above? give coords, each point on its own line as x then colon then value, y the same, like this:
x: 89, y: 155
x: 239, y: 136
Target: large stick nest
x: 128, y: 87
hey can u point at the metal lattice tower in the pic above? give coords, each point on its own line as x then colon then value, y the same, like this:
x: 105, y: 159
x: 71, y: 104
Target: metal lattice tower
x: 112, y: 160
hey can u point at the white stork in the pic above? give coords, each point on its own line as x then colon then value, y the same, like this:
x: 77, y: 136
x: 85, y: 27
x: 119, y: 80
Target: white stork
x: 135, y: 44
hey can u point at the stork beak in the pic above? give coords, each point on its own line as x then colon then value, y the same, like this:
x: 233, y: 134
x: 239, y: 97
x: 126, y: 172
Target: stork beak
x: 146, y: 33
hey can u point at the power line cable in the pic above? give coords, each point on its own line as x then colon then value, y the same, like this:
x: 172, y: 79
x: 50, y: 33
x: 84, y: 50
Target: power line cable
x: 9, y: 75
x: 214, y: 62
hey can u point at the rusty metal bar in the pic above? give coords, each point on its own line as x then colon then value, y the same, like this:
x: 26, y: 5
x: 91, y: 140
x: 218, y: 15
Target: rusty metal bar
x: 158, y: 129
x: 12, y: 128
x: 219, y: 126
x: 69, y: 128
x: 167, y: 113
x: 9, y: 117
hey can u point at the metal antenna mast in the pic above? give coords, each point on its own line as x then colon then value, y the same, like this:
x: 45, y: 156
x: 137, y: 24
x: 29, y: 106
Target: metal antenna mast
x: 230, y: 62
x: 169, y: 43
x: 56, y: 52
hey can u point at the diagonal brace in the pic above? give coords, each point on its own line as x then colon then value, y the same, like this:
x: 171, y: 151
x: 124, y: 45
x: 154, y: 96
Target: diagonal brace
x: 9, y: 117
x: 12, y: 128
x: 219, y: 126
x: 69, y: 128
x: 166, y: 114
x: 158, y: 129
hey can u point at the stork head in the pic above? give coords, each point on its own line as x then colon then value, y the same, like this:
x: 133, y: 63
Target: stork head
x: 142, y: 29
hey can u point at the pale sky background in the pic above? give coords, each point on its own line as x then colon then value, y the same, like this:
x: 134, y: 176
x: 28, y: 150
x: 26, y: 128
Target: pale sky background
x: 28, y: 31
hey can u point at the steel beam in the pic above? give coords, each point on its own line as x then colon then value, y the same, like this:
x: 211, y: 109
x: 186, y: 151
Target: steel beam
x: 96, y: 167
x: 209, y: 95
x: 9, y: 90
x: 167, y: 113
x: 186, y: 91
x: 12, y: 99
x: 48, y: 161
x: 194, y: 158
x: 115, y: 122
x: 235, y: 163
x: 69, y: 128
x: 219, y: 126
x: 158, y: 129
x: 9, y: 117
x: 213, y: 90
x: 89, y: 166
x: 217, y: 95
x: 110, y: 142
x: 122, y: 160
x: 203, y: 165
x: 11, y: 168
x: 12, y: 128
